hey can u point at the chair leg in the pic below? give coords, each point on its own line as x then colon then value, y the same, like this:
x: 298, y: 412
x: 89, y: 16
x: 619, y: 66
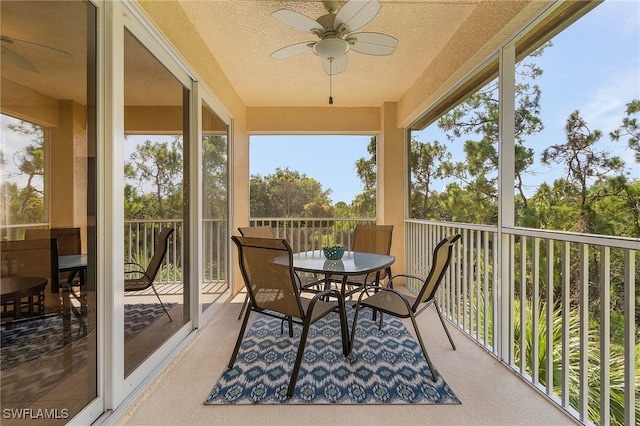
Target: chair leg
x: 290, y: 322
x: 353, y: 327
x: 446, y: 330
x: 161, y: 304
x: 296, y: 365
x: 424, y: 349
x: 239, y: 341
x: 344, y: 330
x: 244, y: 305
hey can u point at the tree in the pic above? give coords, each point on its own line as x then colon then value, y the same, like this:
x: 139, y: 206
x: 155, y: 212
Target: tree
x: 288, y: 193
x: 630, y: 128
x: 364, y: 205
x: 430, y: 161
x: 584, y: 165
x: 479, y: 114
x: 215, y: 176
x: 156, y: 168
x: 26, y: 203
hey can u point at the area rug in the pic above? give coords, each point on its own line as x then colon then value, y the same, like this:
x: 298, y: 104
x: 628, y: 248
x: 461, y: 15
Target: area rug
x: 386, y: 367
x: 30, y: 339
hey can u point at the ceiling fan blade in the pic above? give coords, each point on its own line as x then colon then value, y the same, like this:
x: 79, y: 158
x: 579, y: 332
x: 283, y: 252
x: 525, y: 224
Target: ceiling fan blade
x: 335, y: 66
x: 355, y: 14
x: 18, y: 42
x: 293, y: 50
x: 297, y: 20
x: 18, y: 60
x: 376, y: 44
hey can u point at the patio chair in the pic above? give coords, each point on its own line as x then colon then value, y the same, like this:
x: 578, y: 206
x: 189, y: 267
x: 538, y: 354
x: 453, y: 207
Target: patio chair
x: 388, y: 300
x: 145, y: 277
x: 273, y: 288
x: 369, y: 239
x: 266, y: 231
x: 256, y: 232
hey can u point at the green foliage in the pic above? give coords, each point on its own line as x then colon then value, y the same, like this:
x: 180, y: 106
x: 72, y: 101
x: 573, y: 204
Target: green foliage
x: 215, y: 176
x: 25, y: 202
x: 288, y: 193
x: 364, y: 204
x: 630, y: 128
x: 154, y: 181
x: 616, y: 361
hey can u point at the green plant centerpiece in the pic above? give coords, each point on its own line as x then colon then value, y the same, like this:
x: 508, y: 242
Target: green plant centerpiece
x: 333, y: 252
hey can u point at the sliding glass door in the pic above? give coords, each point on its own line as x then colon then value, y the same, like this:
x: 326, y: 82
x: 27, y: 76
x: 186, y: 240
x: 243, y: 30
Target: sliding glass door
x: 48, y: 182
x: 156, y: 117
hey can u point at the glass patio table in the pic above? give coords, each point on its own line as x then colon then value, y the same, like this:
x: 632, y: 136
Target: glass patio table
x: 351, y: 264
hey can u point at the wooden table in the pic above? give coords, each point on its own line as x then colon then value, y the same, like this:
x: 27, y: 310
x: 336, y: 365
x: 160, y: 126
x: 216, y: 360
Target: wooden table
x: 14, y: 289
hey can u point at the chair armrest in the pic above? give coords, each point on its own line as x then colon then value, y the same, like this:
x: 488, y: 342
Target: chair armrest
x: 415, y: 277
x: 143, y: 273
x: 137, y: 265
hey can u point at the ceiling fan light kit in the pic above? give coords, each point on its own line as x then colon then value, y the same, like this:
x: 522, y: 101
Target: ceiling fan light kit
x: 331, y: 48
x: 336, y: 34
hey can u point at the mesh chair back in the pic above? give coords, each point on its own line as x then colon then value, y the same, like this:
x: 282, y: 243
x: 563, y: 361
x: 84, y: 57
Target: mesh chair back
x: 267, y: 269
x: 257, y: 231
x: 372, y: 239
x: 159, y: 251
x: 31, y: 258
x: 69, y: 240
x: 441, y: 259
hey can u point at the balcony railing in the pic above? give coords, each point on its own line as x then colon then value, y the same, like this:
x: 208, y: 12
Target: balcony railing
x: 499, y: 288
x: 304, y: 234
x: 140, y: 236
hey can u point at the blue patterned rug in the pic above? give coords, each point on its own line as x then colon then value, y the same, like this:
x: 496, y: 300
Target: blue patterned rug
x: 387, y: 367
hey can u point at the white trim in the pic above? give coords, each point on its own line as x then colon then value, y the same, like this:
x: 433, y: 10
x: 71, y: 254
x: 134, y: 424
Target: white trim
x: 506, y: 198
x: 195, y: 193
x: 111, y: 225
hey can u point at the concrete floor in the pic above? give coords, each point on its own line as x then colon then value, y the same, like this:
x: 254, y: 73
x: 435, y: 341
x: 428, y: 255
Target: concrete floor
x: 491, y: 393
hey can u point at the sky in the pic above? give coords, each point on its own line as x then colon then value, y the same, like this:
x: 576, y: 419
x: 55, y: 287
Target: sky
x: 328, y: 159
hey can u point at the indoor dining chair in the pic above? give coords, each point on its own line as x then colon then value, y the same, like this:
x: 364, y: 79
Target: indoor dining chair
x: 387, y: 300
x: 69, y: 242
x: 273, y: 288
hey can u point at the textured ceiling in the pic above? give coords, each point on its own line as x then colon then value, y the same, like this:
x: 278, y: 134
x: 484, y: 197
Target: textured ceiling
x: 242, y: 34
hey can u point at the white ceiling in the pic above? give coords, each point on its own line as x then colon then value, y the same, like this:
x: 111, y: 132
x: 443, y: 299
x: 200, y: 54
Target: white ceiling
x: 242, y: 34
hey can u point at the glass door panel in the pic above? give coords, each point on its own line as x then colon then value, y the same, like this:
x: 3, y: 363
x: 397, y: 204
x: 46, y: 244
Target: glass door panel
x: 215, y: 198
x: 48, y: 368
x: 156, y: 302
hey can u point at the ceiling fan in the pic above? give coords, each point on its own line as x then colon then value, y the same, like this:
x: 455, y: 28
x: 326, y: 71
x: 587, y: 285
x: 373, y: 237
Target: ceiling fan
x: 336, y: 33
x: 8, y: 44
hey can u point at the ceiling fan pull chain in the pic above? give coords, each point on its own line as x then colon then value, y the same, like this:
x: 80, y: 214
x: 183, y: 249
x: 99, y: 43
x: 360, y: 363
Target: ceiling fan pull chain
x: 331, y: 81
